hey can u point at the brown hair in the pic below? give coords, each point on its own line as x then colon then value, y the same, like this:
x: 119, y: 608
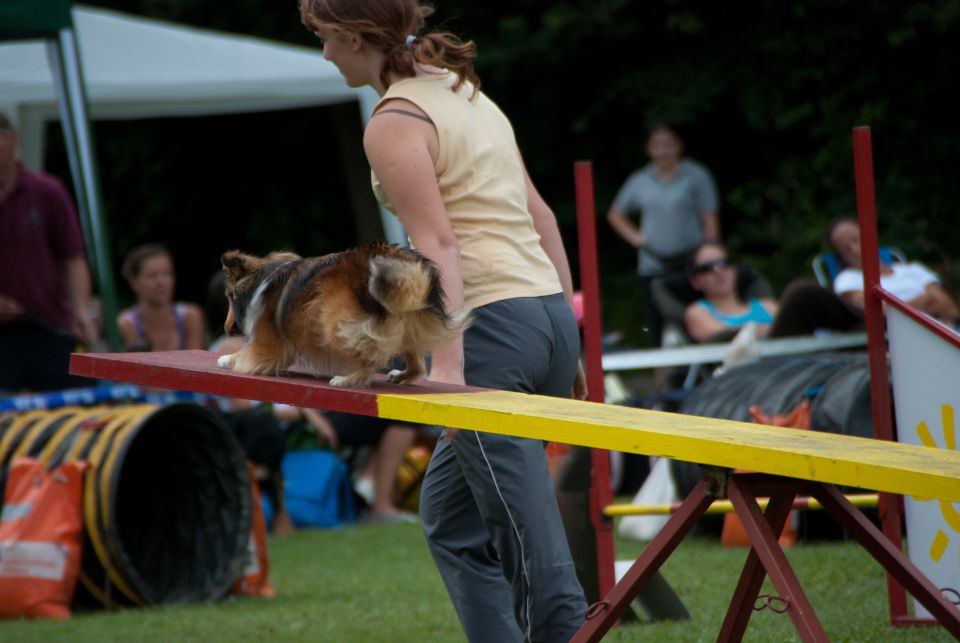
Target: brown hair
x: 834, y: 224
x: 386, y: 24
x: 135, y: 258
x: 663, y: 126
x: 692, y: 257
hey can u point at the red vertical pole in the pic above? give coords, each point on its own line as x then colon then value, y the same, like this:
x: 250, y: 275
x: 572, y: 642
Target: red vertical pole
x: 876, y: 341
x: 601, y: 494
x: 873, y: 306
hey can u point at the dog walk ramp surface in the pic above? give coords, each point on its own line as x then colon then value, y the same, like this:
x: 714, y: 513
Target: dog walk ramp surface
x: 808, y: 455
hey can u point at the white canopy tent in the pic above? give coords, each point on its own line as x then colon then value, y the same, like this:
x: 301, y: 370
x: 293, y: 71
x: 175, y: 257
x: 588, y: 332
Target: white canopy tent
x: 136, y: 67
x: 109, y: 65
x: 141, y: 68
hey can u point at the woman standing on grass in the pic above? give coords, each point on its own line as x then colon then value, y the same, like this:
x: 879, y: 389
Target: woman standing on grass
x: 676, y: 201
x: 445, y: 160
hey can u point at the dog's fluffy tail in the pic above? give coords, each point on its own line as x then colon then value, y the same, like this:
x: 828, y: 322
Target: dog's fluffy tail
x: 408, y: 286
x: 404, y: 284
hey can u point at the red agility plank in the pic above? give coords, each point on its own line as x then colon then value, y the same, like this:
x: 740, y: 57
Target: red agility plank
x: 198, y: 371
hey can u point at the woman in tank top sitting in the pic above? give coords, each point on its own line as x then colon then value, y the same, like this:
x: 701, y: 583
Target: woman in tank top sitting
x: 720, y: 309
x: 156, y: 322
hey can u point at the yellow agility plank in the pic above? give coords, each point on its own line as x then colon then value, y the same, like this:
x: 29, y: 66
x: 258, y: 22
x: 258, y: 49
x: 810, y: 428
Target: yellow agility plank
x: 808, y: 455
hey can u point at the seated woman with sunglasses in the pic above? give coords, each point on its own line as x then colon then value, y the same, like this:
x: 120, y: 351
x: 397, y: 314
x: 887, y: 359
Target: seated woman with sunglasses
x: 720, y: 310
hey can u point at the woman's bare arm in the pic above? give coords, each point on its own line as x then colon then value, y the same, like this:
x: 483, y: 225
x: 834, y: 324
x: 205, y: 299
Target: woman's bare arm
x: 545, y: 223
x: 402, y: 152
x: 624, y: 227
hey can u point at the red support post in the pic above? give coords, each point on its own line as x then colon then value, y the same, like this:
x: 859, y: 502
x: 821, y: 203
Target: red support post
x: 601, y: 616
x: 601, y: 494
x: 751, y: 578
x: 880, y: 398
x: 893, y: 560
x: 764, y: 546
x: 873, y: 306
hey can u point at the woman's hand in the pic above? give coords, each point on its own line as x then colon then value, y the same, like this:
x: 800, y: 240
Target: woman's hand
x: 84, y: 328
x: 624, y: 227
x: 444, y: 374
x: 580, y: 390
x: 10, y: 309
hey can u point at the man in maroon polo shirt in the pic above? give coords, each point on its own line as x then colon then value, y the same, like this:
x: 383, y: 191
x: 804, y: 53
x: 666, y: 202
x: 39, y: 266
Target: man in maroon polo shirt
x: 44, y: 278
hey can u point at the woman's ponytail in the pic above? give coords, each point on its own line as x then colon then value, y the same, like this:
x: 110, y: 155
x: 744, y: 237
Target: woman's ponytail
x: 447, y: 51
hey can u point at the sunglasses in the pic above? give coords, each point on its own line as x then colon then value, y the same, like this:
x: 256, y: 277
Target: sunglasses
x: 710, y: 266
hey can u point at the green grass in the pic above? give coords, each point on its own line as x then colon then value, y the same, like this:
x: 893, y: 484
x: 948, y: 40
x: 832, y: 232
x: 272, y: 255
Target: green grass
x: 373, y: 584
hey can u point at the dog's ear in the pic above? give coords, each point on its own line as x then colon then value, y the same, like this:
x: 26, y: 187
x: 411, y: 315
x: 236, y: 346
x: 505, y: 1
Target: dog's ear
x: 235, y: 264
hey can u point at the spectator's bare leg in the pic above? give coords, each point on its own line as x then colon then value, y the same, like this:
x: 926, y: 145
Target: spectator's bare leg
x: 388, y: 456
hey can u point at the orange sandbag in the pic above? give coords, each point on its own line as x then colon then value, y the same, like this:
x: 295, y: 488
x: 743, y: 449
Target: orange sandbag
x: 255, y: 580
x: 798, y: 417
x: 733, y: 534
x: 41, y: 534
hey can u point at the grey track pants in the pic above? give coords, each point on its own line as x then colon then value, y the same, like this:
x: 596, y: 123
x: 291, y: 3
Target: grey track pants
x: 487, y: 504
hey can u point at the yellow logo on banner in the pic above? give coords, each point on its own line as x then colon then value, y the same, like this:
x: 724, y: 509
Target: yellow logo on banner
x: 950, y: 514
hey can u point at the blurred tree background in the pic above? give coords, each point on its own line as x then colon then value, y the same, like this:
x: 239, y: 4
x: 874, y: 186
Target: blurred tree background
x: 765, y: 93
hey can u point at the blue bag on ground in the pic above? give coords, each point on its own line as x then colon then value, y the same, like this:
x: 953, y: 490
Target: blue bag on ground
x: 317, y: 489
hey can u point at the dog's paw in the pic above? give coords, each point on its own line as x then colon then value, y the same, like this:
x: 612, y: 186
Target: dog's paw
x: 345, y: 381
x: 225, y: 361
x: 402, y: 376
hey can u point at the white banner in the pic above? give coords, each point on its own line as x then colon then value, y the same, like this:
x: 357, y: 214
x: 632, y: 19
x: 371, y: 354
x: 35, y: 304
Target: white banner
x: 925, y: 374
x: 253, y: 560
x: 47, y: 561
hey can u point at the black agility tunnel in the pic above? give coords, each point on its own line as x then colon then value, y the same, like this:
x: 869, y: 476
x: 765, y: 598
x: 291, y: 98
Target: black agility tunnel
x: 837, y: 384
x: 166, y: 500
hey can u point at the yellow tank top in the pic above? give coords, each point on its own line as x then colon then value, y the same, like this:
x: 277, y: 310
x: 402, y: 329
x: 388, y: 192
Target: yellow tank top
x: 481, y: 181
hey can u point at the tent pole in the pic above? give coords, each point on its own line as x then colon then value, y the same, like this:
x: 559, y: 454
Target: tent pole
x: 64, y: 59
x: 55, y: 59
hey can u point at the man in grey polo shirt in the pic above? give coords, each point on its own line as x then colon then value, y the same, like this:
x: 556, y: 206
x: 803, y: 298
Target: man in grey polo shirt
x: 677, y: 205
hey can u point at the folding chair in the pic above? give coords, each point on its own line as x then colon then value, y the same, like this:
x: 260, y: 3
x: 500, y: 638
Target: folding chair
x: 827, y: 265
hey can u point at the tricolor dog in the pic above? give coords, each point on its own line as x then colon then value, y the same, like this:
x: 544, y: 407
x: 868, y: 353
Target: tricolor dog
x: 345, y: 314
